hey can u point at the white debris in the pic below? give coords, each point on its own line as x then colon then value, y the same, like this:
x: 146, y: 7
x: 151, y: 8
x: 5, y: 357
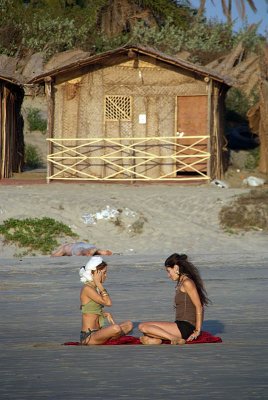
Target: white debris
x: 220, y: 184
x: 129, y: 213
x: 88, y: 219
x: 108, y: 213
x: 253, y: 181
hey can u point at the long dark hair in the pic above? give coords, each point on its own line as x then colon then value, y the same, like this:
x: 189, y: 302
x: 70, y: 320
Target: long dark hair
x: 187, y: 268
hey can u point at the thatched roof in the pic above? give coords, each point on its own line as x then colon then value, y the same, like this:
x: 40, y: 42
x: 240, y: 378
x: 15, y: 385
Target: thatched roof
x: 132, y: 52
x: 240, y: 66
x: 10, y: 79
x: 21, y: 70
x: 8, y: 70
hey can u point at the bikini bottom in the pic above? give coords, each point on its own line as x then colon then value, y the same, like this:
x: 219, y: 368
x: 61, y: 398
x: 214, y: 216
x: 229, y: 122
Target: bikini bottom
x: 185, y: 328
x: 86, y: 334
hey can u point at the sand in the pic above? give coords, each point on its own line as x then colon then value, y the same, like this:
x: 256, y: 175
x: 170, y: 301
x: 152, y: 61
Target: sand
x: 39, y: 302
x: 156, y: 219
x: 39, y: 310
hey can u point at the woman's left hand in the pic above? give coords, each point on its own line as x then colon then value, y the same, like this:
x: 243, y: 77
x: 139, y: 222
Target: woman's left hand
x: 109, y: 317
x: 194, y: 335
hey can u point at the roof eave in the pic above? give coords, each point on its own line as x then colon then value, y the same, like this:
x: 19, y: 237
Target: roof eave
x: 92, y: 59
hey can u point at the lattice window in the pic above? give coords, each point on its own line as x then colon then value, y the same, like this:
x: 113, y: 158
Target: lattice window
x: 118, y: 108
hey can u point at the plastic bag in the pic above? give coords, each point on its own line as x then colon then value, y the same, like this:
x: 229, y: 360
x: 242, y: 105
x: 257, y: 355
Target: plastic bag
x: 253, y: 181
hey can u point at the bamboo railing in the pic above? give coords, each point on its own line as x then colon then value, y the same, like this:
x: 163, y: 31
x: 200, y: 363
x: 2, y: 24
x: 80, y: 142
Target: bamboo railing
x: 129, y: 159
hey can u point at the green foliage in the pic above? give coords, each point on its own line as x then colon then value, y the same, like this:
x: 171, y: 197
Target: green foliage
x: 246, y: 212
x: 168, y: 38
x: 208, y: 41
x: 52, y: 26
x: 35, y: 234
x: 53, y: 36
x: 253, y: 159
x: 238, y: 103
x: 103, y: 43
x: 32, y: 157
x: 179, y: 12
x: 204, y: 42
x: 46, y: 26
x: 35, y: 120
x: 249, y: 37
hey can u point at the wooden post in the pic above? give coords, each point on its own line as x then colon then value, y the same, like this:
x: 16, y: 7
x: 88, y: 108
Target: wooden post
x: 209, y: 131
x: 4, y: 104
x: 263, y: 128
x: 50, y: 111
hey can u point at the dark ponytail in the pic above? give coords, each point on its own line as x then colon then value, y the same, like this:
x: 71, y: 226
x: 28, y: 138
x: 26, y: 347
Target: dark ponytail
x: 187, y: 268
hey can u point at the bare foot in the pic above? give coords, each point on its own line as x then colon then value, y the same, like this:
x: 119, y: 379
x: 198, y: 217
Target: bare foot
x: 148, y: 340
x: 177, y: 341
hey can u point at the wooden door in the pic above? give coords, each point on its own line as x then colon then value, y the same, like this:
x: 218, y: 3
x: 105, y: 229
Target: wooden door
x: 192, y: 134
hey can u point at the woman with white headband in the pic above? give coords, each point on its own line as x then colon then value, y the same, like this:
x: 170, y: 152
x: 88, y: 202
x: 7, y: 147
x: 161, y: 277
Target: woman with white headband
x: 93, y: 298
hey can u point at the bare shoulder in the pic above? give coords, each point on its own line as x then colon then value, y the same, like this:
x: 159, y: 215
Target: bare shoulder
x: 188, y: 284
x: 88, y: 289
x: 87, y: 292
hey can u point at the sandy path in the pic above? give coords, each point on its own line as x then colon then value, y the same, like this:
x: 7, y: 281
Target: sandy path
x: 154, y: 219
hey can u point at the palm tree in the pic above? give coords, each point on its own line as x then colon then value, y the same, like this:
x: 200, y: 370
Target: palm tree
x: 227, y: 7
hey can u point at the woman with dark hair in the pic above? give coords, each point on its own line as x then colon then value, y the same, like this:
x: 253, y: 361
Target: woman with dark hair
x: 93, y: 298
x: 190, y: 299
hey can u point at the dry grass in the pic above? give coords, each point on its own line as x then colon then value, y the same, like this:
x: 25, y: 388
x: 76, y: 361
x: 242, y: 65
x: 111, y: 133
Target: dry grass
x: 246, y: 212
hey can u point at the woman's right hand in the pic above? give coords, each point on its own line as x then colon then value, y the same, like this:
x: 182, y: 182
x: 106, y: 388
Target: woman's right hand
x: 97, y: 278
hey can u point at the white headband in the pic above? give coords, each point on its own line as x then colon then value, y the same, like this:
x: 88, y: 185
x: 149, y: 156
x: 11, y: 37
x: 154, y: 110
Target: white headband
x: 86, y: 272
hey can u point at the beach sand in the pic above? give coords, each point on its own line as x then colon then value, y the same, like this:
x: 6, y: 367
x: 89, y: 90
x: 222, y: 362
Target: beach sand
x: 39, y: 302
x: 39, y: 311
x: 152, y: 219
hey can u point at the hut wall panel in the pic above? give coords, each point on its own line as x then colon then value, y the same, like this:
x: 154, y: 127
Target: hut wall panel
x: 63, y: 124
x: 11, y: 130
x: 166, y: 128
x: 153, y: 90
x: 151, y: 81
x: 58, y: 131
x: 139, y: 130
x: 152, y: 114
x: 83, y: 121
x: 94, y: 115
x: 1, y: 129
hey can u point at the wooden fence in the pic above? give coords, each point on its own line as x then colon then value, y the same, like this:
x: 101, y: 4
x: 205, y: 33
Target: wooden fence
x: 129, y: 159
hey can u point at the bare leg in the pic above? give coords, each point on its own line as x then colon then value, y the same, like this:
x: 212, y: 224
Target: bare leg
x: 109, y: 332
x: 149, y: 340
x: 93, y: 252
x: 87, y: 252
x: 160, y: 330
x: 104, y: 252
x: 126, y: 327
x: 60, y: 251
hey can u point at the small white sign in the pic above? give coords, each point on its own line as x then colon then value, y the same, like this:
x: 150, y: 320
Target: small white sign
x: 142, y: 119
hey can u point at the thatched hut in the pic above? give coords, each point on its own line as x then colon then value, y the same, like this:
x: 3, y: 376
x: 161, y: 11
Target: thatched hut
x: 134, y: 113
x: 11, y: 126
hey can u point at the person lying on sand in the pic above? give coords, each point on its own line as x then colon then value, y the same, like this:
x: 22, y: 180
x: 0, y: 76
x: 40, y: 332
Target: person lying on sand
x: 79, y: 249
x: 93, y: 298
x: 190, y: 298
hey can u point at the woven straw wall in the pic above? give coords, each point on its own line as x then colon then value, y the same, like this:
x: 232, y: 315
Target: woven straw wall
x: 152, y: 87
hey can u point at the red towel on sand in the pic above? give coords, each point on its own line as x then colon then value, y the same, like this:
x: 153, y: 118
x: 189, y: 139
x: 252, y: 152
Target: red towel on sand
x: 204, y: 337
